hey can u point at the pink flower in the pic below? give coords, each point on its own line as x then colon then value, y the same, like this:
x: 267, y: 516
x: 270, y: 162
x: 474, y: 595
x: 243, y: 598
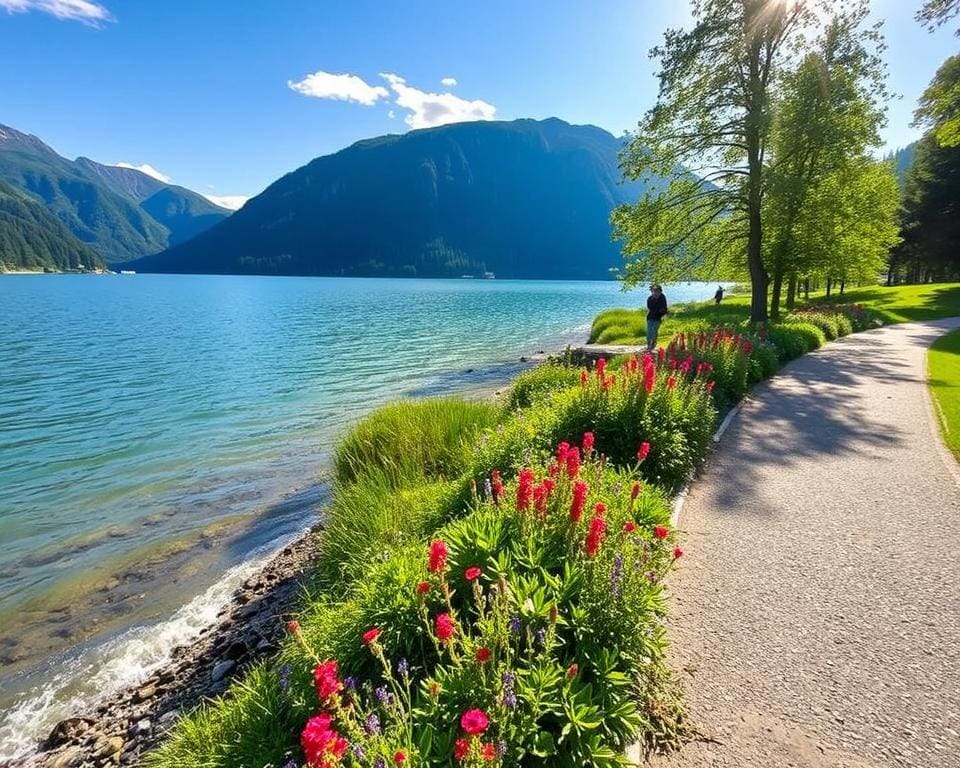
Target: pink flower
x: 601, y: 367
x: 472, y: 573
x: 562, y: 449
x: 474, y: 721
x: 587, y: 443
x: 595, y: 534
x: 710, y: 386
x: 326, y: 681
x: 572, y: 671
x: 677, y: 553
x: 643, y: 451
x: 400, y: 757
x: 461, y: 748
x: 293, y: 627
x: 573, y: 462
x: 438, y: 557
x: 370, y: 635
x: 322, y: 745
x: 445, y: 627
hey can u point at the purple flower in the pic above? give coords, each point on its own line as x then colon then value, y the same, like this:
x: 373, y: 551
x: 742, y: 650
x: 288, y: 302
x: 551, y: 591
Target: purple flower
x: 540, y: 636
x: 350, y: 683
x: 509, y: 697
x: 616, y: 575
x: 285, y: 677
x: 372, y: 724
x: 501, y: 748
x: 487, y: 489
x: 515, y: 625
x: 290, y: 764
x: 652, y: 577
x: 359, y: 751
x: 383, y: 696
x: 379, y: 763
x: 403, y: 668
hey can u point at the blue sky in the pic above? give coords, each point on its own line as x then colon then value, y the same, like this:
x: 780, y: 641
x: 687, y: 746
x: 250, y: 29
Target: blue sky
x: 215, y: 94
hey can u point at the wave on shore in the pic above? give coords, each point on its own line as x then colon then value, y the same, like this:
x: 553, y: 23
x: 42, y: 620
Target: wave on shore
x: 78, y: 683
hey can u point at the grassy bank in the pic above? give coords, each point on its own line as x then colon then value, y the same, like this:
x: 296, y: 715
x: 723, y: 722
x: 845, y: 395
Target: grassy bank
x: 896, y: 304
x: 943, y: 365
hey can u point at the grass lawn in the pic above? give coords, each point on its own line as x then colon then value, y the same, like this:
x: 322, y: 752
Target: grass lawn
x: 898, y: 304
x: 943, y: 366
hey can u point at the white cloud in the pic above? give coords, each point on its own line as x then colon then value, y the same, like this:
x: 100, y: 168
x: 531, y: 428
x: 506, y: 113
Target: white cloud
x: 87, y: 11
x: 232, y: 202
x: 145, y: 168
x: 391, y: 114
x: 449, y: 82
x: 431, y: 109
x: 342, y: 87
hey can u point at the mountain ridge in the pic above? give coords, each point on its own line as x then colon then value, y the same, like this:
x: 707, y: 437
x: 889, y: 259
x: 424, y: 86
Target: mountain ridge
x: 524, y: 198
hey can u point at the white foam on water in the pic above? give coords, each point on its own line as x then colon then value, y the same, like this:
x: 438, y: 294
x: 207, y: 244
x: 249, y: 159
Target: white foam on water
x: 78, y: 685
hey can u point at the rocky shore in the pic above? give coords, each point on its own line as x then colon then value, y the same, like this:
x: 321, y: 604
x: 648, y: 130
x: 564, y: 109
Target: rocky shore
x: 130, y: 723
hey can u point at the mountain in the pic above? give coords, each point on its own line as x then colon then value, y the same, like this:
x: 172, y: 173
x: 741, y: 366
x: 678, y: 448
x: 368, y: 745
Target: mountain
x: 33, y: 238
x: 120, y: 213
x: 182, y: 211
x: 902, y: 160
x: 523, y: 199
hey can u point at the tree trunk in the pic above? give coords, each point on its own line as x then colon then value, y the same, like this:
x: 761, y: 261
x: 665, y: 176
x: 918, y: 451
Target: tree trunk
x: 806, y: 289
x: 842, y: 284
x: 775, y: 294
x: 755, y: 100
x: 829, y: 286
x: 791, y: 291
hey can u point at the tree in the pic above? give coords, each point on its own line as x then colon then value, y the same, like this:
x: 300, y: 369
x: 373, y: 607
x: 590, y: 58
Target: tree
x: 939, y: 107
x: 829, y: 112
x: 935, y: 13
x: 708, y: 134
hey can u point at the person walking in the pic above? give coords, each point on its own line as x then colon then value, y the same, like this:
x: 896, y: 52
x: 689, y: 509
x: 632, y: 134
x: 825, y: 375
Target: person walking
x: 718, y: 296
x: 656, y: 311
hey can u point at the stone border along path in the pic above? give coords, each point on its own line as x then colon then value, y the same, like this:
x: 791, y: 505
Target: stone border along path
x: 815, y: 620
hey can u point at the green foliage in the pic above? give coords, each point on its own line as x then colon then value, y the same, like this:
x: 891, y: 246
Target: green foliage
x: 413, y: 440
x: 943, y: 367
x: 939, y: 106
x: 794, y: 339
x: 531, y: 386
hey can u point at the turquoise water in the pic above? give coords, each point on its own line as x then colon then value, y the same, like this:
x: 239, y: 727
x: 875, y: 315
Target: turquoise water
x: 137, y: 411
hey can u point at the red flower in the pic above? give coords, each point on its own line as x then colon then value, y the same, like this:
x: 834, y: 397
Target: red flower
x: 400, y: 757
x: 472, y: 573
x: 600, y: 509
x: 554, y: 469
x: 438, y: 557
x: 580, y: 490
x: 643, y: 451
x: 461, y: 748
x: 584, y: 377
x: 671, y: 382
x: 548, y: 485
x: 423, y: 587
x: 482, y: 655
x: 598, y: 529
x: 601, y: 367
x: 322, y: 745
x: 635, y: 491
x: 326, y: 681
x: 629, y: 526
x: 608, y: 382
x: 572, y: 671
x: 562, y: 449
x: 293, y: 626
x: 710, y: 386
x: 573, y: 462
x: 661, y: 532
x: 587, y: 443
x: 489, y: 751
x: 496, y: 483
x: 474, y: 721
x: 524, y: 489
x: 540, y: 498
x: 445, y: 627
x: 677, y: 553
x: 370, y: 635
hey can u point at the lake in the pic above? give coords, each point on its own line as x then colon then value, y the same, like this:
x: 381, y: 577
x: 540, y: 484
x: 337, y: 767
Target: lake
x: 161, y: 434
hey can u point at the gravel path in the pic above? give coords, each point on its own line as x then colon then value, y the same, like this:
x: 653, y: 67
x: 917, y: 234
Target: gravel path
x: 816, y: 618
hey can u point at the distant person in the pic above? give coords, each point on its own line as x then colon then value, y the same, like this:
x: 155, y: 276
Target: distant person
x: 718, y: 296
x: 656, y: 311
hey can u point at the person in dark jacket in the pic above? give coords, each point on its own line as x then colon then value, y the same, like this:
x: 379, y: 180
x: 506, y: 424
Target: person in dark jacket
x: 656, y: 311
x: 718, y: 296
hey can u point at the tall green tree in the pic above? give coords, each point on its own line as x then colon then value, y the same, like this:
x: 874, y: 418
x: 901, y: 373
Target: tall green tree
x: 935, y: 13
x: 939, y: 107
x: 709, y: 132
x: 829, y: 112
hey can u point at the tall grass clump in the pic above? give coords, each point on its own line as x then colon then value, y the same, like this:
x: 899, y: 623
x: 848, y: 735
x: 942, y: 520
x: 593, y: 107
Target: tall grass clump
x: 533, y: 385
x: 413, y: 440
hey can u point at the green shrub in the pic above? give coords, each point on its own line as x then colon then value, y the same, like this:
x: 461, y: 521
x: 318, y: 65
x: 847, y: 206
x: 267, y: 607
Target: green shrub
x: 795, y: 339
x: 370, y: 517
x: 828, y: 323
x: 763, y: 361
x: 414, y: 440
x: 531, y: 386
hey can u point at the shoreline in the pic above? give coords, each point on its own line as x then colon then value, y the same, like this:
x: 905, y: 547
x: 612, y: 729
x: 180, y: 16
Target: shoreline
x: 247, y: 629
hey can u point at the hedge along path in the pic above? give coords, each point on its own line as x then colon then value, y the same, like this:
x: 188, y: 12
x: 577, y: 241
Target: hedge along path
x: 816, y: 620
